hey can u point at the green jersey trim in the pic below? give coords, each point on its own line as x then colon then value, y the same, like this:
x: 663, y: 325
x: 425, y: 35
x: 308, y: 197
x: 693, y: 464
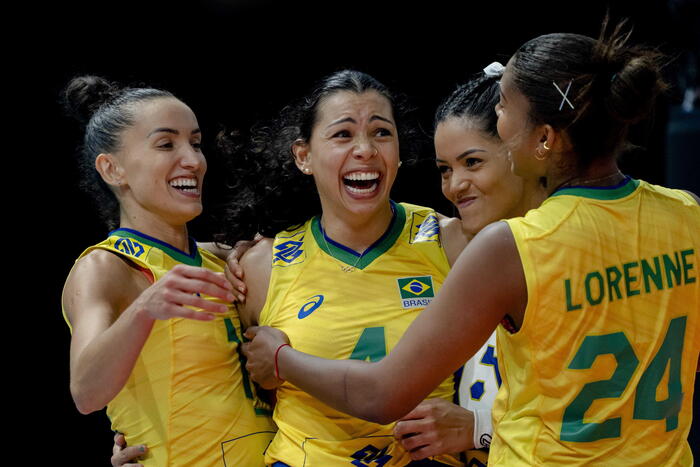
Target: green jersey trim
x: 378, y: 248
x: 193, y: 259
x: 622, y: 189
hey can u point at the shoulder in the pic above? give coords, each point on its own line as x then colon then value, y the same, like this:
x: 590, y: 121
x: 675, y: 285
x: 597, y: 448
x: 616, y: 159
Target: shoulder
x: 452, y: 236
x: 98, y: 264
x: 694, y: 196
x: 93, y: 280
x: 257, y: 269
x: 259, y: 257
x: 492, y: 259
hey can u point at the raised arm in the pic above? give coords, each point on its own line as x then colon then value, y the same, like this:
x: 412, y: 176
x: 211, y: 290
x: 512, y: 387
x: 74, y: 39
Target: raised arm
x: 111, y: 306
x: 486, y: 283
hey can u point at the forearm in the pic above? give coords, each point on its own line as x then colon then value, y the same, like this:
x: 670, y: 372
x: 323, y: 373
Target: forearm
x: 350, y: 386
x: 101, y: 368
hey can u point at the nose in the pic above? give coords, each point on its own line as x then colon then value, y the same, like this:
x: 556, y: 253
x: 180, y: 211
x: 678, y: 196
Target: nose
x: 459, y: 182
x: 192, y: 159
x: 364, y: 149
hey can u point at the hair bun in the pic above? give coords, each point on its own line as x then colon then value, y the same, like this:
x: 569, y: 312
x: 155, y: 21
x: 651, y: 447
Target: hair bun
x: 634, y: 88
x: 85, y: 94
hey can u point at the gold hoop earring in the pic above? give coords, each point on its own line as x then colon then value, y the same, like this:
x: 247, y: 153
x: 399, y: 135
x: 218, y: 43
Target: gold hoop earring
x: 545, y: 146
x: 540, y: 154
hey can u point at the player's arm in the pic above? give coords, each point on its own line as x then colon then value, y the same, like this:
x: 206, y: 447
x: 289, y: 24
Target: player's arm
x: 256, y: 266
x: 112, y: 307
x: 452, y: 237
x: 486, y: 283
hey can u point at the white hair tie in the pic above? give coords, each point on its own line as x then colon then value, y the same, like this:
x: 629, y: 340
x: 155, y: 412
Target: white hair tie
x: 494, y: 70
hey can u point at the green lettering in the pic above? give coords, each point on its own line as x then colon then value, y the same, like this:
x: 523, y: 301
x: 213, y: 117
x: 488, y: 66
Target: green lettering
x: 629, y: 278
x: 613, y: 283
x: 587, y: 285
x: 567, y: 289
x: 672, y: 269
x: 687, y: 266
x: 653, y: 274
x: 371, y: 345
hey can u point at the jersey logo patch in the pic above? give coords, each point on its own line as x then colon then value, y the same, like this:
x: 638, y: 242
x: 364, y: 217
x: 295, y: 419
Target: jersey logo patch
x: 287, y: 250
x: 425, y: 228
x: 130, y: 247
x: 310, y: 306
x: 370, y: 455
x: 416, y: 292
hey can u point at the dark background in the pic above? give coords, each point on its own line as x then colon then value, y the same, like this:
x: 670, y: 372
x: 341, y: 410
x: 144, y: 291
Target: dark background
x: 235, y: 62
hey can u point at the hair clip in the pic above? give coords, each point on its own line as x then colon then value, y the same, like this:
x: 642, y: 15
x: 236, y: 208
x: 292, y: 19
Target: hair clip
x: 564, y: 94
x: 494, y: 70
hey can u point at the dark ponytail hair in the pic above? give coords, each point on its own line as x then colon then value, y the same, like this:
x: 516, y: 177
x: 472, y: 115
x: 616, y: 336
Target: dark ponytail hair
x: 104, y: 111
x: 268, y: 192
x: 612, y: 85
x: 476, y: 101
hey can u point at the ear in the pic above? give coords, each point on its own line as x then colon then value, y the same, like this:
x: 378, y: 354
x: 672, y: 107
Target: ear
x: 302, y: 155
x: 109, y: 169
x: 550, y: 137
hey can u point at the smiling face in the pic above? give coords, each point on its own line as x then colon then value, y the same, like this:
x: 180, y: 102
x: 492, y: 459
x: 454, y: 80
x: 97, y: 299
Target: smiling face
x: 476, y: 175
x: 160, y: 166
x: 353, y: 152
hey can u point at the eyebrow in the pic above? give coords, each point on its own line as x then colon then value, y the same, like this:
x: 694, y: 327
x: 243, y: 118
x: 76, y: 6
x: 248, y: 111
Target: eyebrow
x: 466, y: 153
x: 172, y: 131
x: 352, y: 120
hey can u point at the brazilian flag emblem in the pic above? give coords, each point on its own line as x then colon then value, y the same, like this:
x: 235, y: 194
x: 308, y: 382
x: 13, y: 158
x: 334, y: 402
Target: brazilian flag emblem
x: 416, y: 287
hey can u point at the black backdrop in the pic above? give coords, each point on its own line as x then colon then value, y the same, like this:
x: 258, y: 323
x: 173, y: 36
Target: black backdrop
x: 235, y: 62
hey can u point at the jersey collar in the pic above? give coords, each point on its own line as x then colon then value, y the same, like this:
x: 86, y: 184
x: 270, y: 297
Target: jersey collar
x: 192, y: 259
x: 622, y: 189
x: 350, y: 256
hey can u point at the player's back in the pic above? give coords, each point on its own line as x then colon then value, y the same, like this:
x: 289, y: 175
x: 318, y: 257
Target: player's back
x: 602, y: 370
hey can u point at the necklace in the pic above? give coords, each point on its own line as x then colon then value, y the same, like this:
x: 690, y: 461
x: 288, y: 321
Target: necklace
x: 343, y: 267
x: 610, y: 179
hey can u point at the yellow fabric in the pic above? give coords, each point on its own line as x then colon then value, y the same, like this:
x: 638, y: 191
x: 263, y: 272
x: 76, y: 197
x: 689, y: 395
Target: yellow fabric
x: 186, y: 396
x: 610, y: 331
x: 327, y: 312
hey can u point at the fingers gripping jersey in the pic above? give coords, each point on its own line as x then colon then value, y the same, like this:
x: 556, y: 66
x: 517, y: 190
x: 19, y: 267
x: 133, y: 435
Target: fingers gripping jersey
x: 343, y: 306
x: 602, y: 370
x: 188, y: 398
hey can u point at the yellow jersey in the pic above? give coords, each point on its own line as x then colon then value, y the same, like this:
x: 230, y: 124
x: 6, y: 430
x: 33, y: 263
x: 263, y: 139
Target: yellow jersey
x: 602, y: 370
x: 188, y: 397
x: 337, y: 304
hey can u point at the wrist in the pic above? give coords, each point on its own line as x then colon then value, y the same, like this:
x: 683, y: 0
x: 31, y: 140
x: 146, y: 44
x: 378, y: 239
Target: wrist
x: 279, y: 376
x: 140, y: 316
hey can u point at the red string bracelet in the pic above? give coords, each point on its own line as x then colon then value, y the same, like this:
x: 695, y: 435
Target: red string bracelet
x: 277, y: 368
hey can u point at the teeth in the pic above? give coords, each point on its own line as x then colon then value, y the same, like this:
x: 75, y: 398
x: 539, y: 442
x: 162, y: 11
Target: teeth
x: 361, y: 190
x: 362, y: 176
x: 184, y: 183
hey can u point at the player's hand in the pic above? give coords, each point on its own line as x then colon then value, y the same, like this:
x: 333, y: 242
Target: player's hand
x: 435, y: 427
x: 234, y: 271
x: 260, y: 352
x: 122, y: 454
x: 183, y: 287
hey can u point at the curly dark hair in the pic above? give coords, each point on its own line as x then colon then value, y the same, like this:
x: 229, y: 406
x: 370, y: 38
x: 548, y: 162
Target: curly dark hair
x: 268, y: 193
x: 104, y: 110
